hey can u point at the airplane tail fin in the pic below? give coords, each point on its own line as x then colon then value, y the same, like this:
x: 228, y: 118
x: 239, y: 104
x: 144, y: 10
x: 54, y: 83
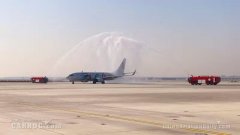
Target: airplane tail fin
x: 121, y: 68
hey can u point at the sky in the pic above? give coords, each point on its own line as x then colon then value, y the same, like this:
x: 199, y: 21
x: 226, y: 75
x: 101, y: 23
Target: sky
x: 190, y: 36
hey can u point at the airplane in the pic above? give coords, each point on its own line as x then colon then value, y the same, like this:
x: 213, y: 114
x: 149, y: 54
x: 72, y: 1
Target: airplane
x: 100, y: 76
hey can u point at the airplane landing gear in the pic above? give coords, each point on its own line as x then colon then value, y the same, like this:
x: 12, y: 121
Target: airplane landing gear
x: 94, y: 81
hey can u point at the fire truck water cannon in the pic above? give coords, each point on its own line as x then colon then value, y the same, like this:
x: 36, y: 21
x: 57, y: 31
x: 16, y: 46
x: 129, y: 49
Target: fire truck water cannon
x: 209, y: 80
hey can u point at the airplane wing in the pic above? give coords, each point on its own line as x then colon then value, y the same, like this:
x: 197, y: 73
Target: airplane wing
x: 125, y: 74
x: 130, y: 73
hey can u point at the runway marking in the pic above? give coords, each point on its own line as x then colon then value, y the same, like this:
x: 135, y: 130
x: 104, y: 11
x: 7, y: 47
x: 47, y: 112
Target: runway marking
x: 206, y: 131
x: 139, y: 121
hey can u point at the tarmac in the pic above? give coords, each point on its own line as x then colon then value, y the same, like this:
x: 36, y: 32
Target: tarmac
x: 160, y: 108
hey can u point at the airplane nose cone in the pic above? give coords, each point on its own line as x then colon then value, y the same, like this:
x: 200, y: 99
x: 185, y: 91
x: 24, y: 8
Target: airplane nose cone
x: 70, y: 77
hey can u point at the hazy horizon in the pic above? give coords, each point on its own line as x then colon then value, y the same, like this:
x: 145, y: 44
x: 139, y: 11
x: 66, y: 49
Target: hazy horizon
x: 158, y: 38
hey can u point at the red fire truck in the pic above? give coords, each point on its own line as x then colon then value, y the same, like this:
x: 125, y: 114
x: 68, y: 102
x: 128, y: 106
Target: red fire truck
x: 209, y: 80
x: 39, y: 79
